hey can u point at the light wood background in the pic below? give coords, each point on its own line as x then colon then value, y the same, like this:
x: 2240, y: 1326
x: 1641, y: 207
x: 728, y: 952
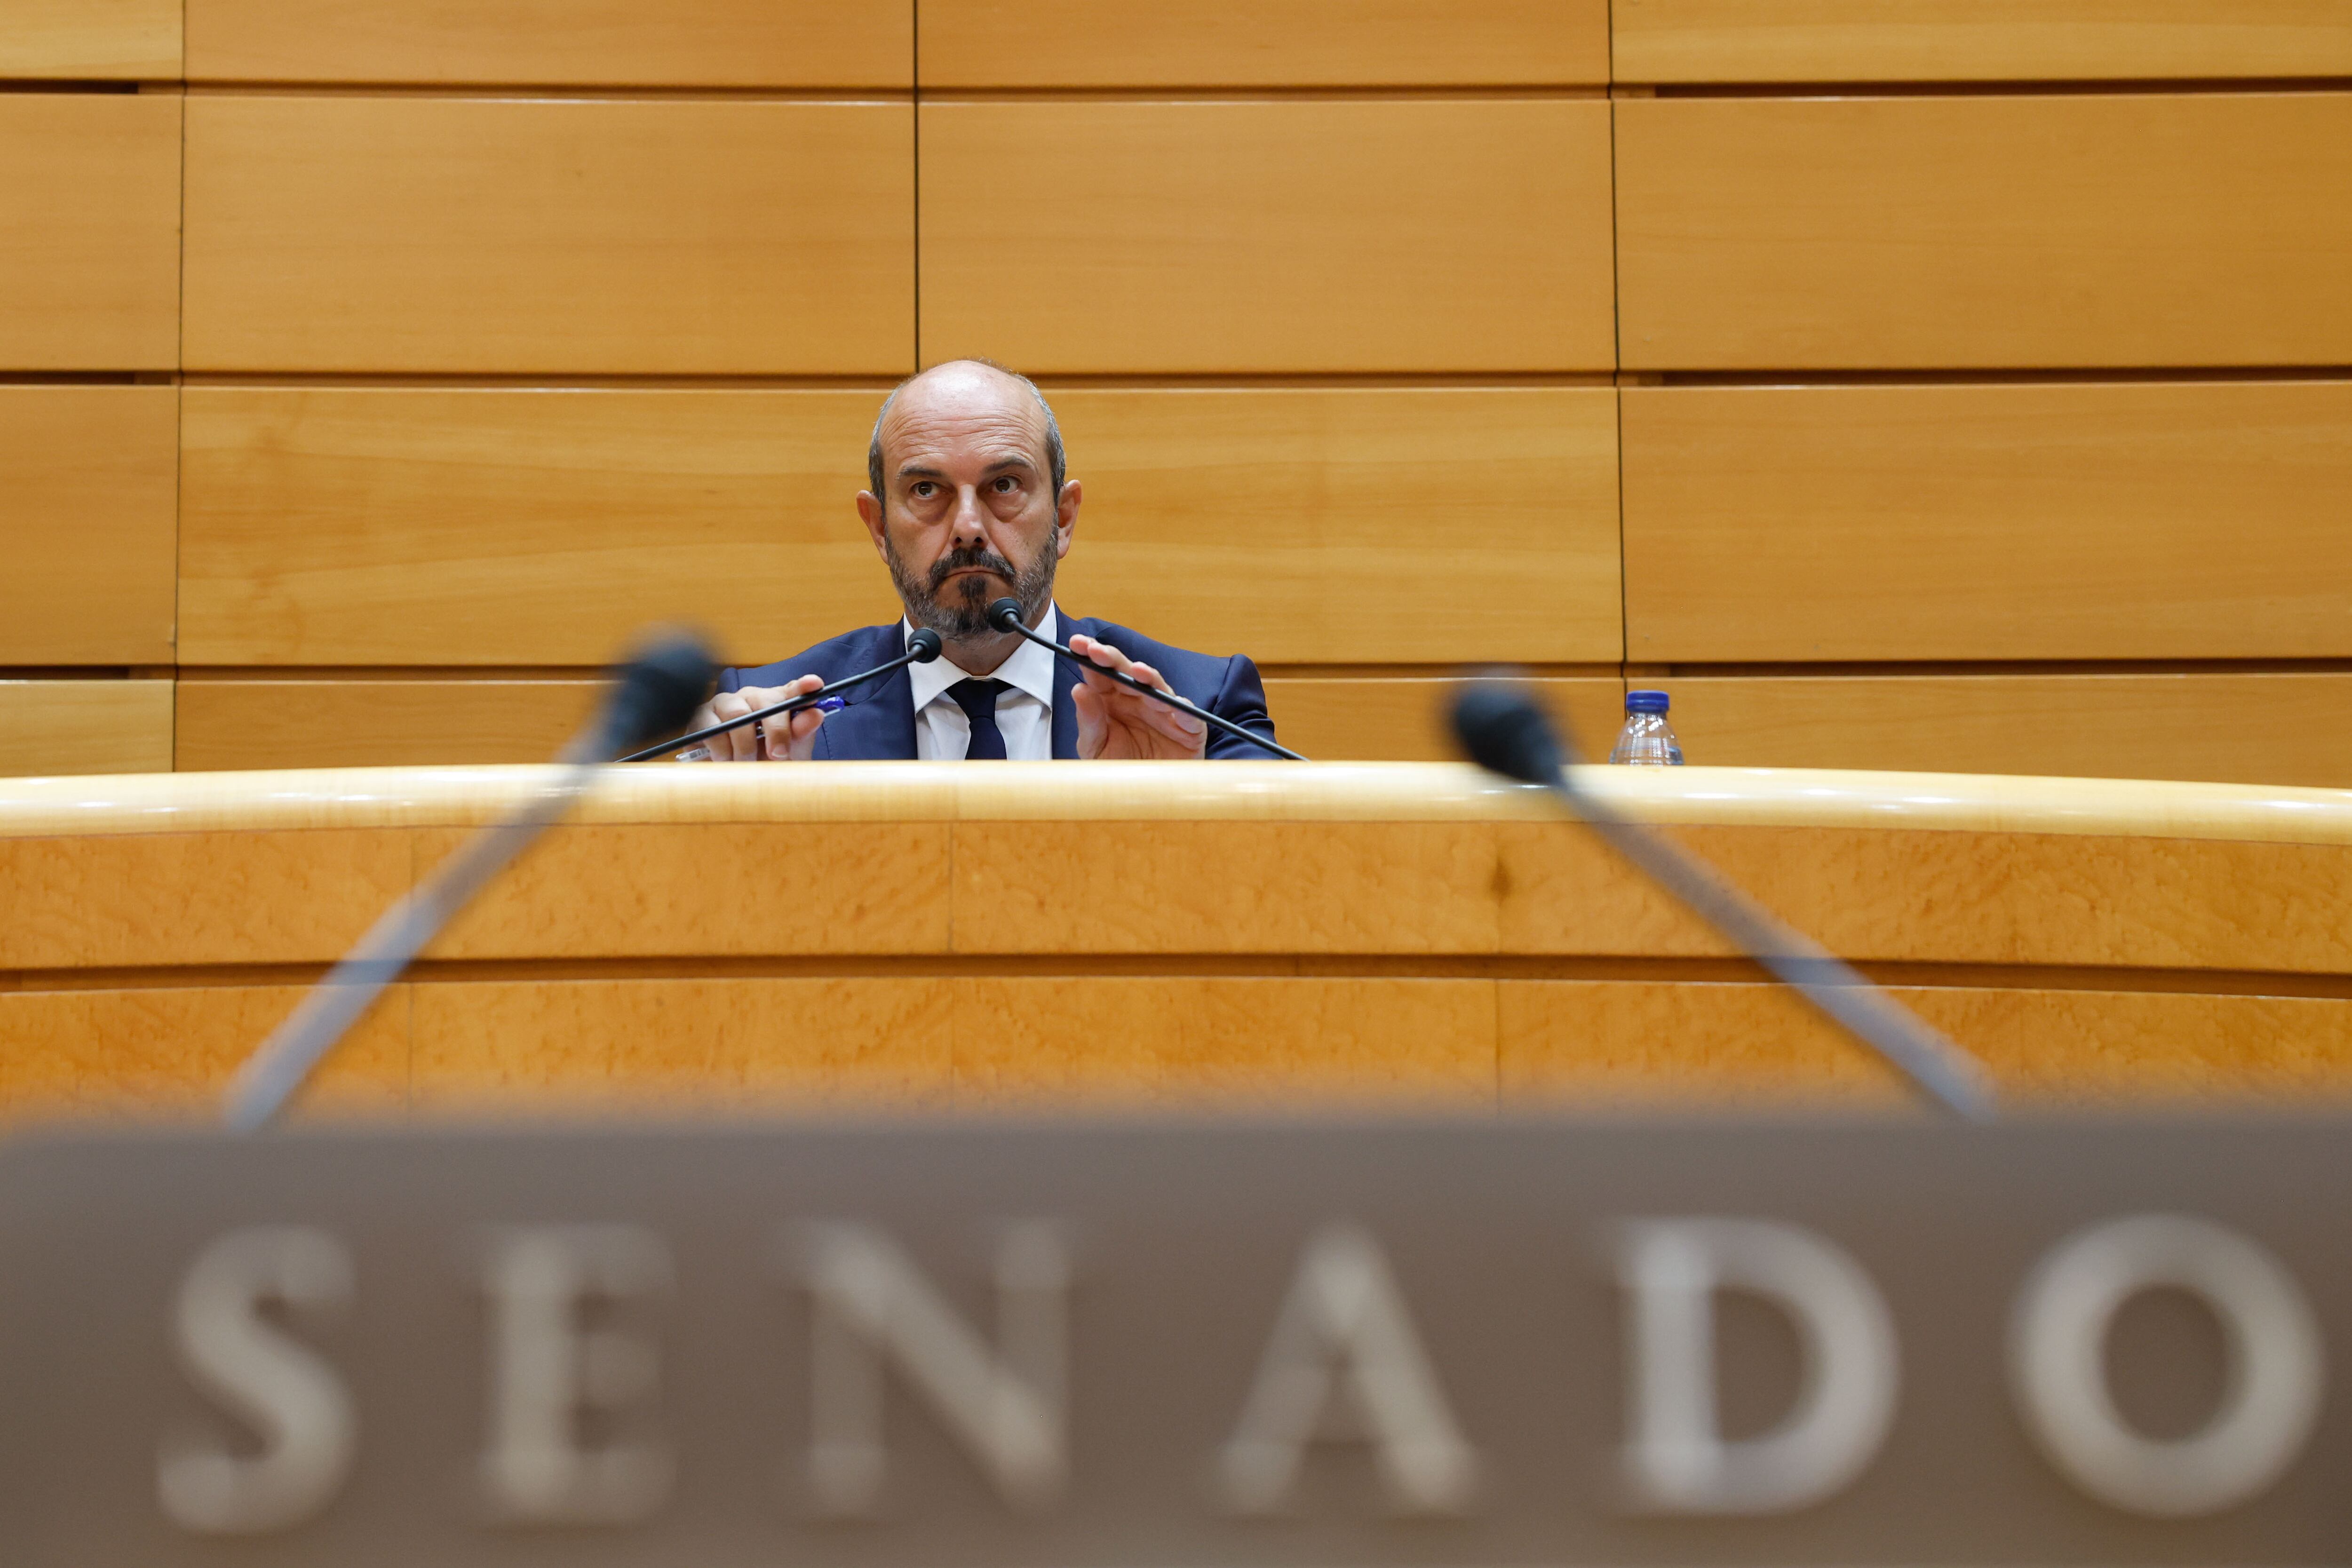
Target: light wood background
x: 1952, y: 383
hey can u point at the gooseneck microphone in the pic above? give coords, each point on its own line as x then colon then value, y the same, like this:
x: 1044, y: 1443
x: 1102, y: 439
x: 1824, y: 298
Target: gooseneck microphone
x: 1004, y: 614
x: 657, y: 690
x: 1504, y: 730
x: 921, y: 648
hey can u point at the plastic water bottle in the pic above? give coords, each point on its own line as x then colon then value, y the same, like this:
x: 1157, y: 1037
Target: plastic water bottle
x: 1647, y: 740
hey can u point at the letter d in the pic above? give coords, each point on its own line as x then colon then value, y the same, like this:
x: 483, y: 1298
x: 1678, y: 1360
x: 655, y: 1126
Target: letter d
x: 1676, y: 1457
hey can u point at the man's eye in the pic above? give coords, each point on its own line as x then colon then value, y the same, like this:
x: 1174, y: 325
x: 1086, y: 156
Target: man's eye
x: 923, y: 487
x: 1007, y: 483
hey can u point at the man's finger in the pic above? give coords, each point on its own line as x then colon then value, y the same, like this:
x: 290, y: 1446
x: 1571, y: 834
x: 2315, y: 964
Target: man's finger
x: 1174, y: 724
x: 794, y: 737
x: 728, y: 705
x: 1093, y: 731
x: 1151, y: 677
x: 741, y: 744
x: 744, y: 743
x: 1102, y: 655
x: 777, y: 739
x: 1181, y: 728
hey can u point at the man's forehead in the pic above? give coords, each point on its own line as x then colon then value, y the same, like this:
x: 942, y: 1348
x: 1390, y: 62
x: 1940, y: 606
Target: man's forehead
x: 994, y: 420
x: 917, y: 458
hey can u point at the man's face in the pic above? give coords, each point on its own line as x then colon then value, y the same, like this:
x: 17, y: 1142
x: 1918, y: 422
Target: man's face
x: 971, y: 515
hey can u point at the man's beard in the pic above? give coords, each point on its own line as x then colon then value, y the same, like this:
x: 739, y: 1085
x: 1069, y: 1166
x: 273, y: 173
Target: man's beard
x: 963, y: 613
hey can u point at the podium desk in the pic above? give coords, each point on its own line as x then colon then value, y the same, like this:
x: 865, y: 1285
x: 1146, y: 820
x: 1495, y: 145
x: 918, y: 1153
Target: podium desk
x: 1038, y: 936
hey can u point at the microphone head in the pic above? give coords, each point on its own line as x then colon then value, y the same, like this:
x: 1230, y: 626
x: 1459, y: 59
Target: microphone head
x: 1005, y: 615
x: 924, y: 645
x: 1504, y: 729
x: 656, y: 692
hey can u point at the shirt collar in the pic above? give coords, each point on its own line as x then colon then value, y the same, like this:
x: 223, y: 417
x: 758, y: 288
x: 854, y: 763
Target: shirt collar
x: 1030, y: 669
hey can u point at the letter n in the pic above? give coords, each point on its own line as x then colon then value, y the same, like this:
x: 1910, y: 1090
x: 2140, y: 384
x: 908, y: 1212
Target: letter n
x: 1003, y: 1405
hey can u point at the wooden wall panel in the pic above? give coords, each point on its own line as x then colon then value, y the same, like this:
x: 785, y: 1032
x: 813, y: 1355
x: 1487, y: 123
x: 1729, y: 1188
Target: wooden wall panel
x: 972, y: 1044
x: 488, y: 526
x: 1339, y: 525
x: 2145, y: 520
x: 2001, y: 872
x: 1182, y: 1039
x: 1593, y: 1042
x: 89, y: 231
x: 1985, y: 230
x: 309, y: 723
x: 169, y: 900
x: 616, y: 1045
x: 85, y: 727
x: 1977, y: 40
x: 1402, y: 719
x: 549, y: 237
x: 1981, y: 895
x: 685, y: 892
x: 976, y: 1045
x: 414, y: 526
x: 89, y: 521
x: 670, y: 43
x: 342, y: 724
x: 1264, y: 42
x: 1434, y: 235
x: 167, y: 1053
x: 2284, y: 729
x: 90, y: 40
x: 1228, y: 888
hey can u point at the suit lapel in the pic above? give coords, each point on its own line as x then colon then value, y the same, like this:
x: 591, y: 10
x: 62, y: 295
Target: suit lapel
x: 878, y: 724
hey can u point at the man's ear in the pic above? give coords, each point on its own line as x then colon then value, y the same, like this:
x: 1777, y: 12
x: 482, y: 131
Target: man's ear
x: 1065, y: 517
x: 870, y: 512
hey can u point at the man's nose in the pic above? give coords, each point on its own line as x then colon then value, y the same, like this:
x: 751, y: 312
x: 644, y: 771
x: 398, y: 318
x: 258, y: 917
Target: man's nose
x: 970, y: 517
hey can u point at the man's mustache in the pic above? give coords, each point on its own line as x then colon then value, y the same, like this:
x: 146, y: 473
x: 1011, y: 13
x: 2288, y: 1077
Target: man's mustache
x: 963, y: 559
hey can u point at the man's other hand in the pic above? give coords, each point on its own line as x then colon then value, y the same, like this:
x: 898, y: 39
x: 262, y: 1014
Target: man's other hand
x: 1115, y: 722
x: 791, y: 737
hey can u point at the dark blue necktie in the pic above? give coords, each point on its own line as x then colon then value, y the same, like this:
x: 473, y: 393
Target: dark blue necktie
x: 977, y: 700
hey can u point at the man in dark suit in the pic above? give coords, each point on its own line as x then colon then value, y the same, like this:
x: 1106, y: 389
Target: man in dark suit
x: 970, y: 502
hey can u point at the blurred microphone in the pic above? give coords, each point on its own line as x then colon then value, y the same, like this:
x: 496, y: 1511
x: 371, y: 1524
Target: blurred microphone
x: 1505, y: 732
x: 653, y: 692
x: 921, y: 648
x: 1004, y: 614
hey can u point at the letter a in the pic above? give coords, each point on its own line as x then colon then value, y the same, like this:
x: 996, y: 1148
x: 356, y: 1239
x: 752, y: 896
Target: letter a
x: 1345, y: 1329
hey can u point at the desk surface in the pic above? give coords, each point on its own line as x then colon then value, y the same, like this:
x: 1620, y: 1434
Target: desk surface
x: 954, y: 936
x: 1173, y: 791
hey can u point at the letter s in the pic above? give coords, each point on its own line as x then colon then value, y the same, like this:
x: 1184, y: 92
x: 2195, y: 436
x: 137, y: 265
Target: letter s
x: 281, y: 1389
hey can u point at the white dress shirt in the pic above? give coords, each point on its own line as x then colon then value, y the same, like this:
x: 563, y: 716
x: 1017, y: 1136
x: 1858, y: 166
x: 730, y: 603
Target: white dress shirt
x: 1024, y: 708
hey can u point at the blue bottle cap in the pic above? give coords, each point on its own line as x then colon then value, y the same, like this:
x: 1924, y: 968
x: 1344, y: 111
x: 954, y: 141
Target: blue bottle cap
x: 1645, y: 702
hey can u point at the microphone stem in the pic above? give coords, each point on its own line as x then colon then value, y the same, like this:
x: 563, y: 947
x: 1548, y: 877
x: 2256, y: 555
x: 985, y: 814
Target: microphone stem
x: 281, y: 1064
x: 1169, y: 698
x: 1934, y: 1065
x: 789, y: 705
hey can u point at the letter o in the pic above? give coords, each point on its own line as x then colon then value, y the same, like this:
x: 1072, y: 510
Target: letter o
x: 2058, y: 1335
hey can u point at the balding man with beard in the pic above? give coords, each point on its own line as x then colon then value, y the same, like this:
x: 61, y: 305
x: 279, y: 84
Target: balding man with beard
x: 970, y: 502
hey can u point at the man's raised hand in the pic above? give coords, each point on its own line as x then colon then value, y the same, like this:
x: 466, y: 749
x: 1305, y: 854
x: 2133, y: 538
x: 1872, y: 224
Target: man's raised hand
x: 1115, y: 722
x: 791, y: 737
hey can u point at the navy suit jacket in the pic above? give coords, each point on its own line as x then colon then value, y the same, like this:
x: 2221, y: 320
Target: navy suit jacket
x: 878, y: 722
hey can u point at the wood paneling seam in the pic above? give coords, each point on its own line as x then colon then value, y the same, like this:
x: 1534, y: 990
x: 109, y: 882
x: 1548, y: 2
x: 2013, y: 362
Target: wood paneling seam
x: 1499, y: 968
